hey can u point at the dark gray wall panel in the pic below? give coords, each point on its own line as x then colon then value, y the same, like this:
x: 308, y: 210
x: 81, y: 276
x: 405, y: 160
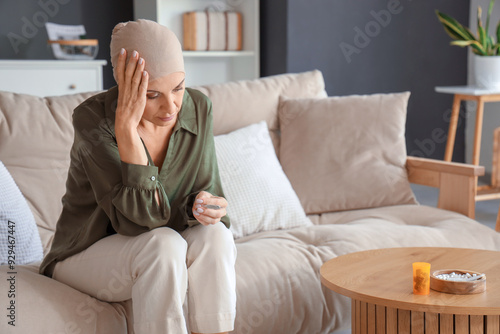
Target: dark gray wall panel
x: 273, y: 36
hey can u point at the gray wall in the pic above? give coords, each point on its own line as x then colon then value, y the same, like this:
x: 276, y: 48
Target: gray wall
x: 407, y: 50
x: 23, y: 21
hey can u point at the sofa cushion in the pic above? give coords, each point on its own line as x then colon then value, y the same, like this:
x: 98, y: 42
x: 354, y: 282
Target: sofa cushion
x: 241, y: 103
x: 36, y: 135
x: 260, y: 197
x: 345, y: 153
x: 19, y: 239
x: 44, y: 305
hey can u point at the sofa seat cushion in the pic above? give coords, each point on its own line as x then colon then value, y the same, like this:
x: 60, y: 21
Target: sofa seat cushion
x: 44, y: 305
x: 410, y: 226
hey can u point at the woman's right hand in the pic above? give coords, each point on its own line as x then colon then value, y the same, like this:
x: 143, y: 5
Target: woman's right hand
x: 132, y: 88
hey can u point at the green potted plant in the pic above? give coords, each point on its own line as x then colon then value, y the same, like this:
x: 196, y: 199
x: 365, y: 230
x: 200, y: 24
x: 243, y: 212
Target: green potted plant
x: 485, y: 48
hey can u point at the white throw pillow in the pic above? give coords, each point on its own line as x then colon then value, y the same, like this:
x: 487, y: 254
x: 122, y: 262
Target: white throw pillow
x: 19, y: 238
x: 259, y: 195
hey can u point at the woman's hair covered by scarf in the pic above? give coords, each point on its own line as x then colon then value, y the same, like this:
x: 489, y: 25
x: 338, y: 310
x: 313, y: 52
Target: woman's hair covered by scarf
x: 157, y: 44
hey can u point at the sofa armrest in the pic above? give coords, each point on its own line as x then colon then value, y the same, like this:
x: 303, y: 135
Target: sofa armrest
x: 457, y: 182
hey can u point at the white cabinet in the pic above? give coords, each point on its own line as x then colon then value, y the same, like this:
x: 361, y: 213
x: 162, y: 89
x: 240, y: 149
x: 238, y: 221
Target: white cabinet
x: 51, y: 77
x: 206, y: 67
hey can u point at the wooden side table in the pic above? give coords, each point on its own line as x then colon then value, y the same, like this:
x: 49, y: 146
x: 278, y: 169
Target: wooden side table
x: 468, y: 93
x: 481, y: 96
x: 379, y: 282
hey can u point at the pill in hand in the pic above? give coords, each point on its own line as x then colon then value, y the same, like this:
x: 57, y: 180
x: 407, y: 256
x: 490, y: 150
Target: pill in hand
x: 215, y: 207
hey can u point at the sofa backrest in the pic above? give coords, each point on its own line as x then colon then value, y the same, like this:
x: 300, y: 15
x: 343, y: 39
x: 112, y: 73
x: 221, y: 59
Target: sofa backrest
x: 241, y: 103
x: 36, y: 134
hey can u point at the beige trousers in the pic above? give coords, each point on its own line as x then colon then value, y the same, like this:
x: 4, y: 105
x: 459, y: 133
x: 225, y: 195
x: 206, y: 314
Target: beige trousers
x: 155, y: 269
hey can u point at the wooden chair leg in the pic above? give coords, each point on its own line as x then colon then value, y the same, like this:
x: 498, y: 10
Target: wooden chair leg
x: 497, y: 226
x: 495, y: 171
x: 478, y: 132
x: 452, y: 130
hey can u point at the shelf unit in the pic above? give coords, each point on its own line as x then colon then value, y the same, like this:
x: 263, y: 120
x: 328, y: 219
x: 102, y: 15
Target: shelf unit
x: 207, y: 67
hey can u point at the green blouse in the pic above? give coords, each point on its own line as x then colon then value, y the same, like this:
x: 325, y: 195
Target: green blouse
x: 105, y: 195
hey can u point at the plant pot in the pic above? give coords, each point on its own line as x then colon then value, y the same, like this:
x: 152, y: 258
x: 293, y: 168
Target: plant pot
x: 487, y: 71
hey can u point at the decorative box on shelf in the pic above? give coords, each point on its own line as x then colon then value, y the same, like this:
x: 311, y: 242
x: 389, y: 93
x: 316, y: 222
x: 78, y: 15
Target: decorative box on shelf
x: 212, y: 31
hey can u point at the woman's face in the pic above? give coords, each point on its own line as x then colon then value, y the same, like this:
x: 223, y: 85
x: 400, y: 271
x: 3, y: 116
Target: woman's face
x: 164, y: 99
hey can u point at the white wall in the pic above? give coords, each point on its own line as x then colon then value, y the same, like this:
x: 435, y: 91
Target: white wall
x: 491, y: 110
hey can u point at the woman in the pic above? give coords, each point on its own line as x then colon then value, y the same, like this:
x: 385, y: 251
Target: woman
x: 140, y: 217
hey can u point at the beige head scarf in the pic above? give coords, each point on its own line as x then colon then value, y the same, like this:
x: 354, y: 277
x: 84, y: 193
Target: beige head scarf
x: 157, y: 44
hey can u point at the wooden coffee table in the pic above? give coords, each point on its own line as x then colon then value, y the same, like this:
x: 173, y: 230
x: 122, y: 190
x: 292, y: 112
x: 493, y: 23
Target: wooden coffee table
x: 379, y: 282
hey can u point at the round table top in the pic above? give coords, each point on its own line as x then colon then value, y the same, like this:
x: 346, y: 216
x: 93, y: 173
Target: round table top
x: 385, y: 277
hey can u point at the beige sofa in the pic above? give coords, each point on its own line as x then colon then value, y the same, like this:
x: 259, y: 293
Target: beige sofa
x: 278, y: 285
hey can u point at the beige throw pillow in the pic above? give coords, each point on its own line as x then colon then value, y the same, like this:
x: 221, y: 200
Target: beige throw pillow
x: 345, y: 153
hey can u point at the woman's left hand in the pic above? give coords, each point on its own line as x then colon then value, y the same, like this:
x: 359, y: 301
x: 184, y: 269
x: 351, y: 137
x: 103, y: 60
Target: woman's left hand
x: 208, y: 216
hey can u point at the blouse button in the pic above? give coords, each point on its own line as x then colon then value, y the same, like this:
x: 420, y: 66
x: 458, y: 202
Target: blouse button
x: 153, y: 178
